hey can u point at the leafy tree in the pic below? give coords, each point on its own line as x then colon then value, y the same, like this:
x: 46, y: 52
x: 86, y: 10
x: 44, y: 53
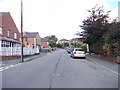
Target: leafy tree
x: 114, y: 38
x: 72, y: 44
x: 84, y: 47
x: 59, y: 45
x: 78, y: 45
x: 95, y: 25
x: 66, y: 44
x: 52, y: 40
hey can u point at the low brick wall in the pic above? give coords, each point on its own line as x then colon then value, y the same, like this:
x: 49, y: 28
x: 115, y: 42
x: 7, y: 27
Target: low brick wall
x: 9, y: 57
x: 13, y: 57
x: 109, y: 58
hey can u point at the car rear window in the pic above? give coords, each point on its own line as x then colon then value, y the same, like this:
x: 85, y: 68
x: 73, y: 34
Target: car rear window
x: 79, y: 50
x: 71, y: 49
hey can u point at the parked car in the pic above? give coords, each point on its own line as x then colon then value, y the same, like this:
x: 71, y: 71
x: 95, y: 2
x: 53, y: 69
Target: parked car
x: 78, y: 52
x: 69, y: 50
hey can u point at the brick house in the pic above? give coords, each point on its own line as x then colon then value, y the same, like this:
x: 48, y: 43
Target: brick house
x: 62, y: 41
x: 44, y: 43
x: 9, y: 34
x: 76, y: 41
x: 32, y: 40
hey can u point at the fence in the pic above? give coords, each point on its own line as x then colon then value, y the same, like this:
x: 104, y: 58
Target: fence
x: 45, y: 50
x: 13, y: 51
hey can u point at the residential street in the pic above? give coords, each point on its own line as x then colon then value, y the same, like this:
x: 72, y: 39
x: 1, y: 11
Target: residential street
x: 58, y: 70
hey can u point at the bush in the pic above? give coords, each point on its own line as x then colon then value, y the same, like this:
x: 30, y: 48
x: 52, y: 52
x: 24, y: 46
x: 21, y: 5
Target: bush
x: 59, y: 45
x: 78, y: 45
x: 106, y: 49
x: 84, y: 47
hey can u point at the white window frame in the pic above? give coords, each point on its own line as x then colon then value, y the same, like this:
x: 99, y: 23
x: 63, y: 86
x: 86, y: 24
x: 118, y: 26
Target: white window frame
x: 1, y: 30
x: 8, y: 33
x: 15, y: 35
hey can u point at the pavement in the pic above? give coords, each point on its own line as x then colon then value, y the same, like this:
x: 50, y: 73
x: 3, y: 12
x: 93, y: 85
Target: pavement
x: 16, y: 61
x: 109, y: 65
x: 58, y: 70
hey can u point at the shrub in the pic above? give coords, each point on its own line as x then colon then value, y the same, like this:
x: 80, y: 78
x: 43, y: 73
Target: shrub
x: 84, y: 47
x: 106, y: 49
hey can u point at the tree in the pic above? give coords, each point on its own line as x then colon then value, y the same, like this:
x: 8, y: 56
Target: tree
x: 78, y: 45
x: 102, y: 36
x: 95, y: 25
x: 66, y: 44
x: 59, y: 45
x: 84, y: 47
x: 114, y: 38
x: 52, y: 40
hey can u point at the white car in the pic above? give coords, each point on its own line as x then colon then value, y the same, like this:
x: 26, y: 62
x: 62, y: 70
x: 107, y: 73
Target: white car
x: 78, y: 52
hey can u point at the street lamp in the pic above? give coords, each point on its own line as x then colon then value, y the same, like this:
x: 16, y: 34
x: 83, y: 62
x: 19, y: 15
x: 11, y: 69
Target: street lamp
x: 22, y: 31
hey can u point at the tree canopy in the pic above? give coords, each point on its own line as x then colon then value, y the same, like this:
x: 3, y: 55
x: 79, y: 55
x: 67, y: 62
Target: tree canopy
x: 52, y: 40
x: 102, y: 35
x: 95, y: 25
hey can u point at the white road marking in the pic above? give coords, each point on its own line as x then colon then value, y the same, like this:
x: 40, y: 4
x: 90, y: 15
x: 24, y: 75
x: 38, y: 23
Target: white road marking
x: 1, y: 70
x: 7, y: 67
x: 110, y: 70
x: 10, y: 66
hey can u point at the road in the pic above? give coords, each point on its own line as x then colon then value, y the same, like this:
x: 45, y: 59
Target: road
x: 58, y: 70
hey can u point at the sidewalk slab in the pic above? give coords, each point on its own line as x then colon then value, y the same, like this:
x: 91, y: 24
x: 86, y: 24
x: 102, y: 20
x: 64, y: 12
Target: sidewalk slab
x: 105, y: 63
x: 16, y: 61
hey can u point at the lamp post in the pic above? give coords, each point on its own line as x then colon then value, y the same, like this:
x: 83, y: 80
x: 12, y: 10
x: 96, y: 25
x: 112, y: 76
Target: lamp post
x: 22, y: 31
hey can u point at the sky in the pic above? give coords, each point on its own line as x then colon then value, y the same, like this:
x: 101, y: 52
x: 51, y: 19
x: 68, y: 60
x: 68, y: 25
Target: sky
x: 54, y: 17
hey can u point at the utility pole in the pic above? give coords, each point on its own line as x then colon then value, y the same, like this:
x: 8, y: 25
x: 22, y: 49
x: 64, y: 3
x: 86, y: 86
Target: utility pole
x: 119, y: 11
x: 22, y: 31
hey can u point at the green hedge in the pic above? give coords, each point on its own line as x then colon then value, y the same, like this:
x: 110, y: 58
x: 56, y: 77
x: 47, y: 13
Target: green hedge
x: 84, y: 47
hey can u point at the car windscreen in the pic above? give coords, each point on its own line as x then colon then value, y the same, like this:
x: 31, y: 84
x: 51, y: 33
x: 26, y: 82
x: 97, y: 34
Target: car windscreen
x: 79, y: 50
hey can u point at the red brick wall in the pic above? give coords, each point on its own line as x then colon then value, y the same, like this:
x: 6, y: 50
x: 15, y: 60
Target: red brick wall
x: 30, y: 41
x: 44, y: 44
x: 8, y: 24
x: 9, y: 57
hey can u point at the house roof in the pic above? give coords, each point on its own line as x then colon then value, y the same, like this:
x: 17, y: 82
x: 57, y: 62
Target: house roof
x: 3, y: 13
x: 30, y: 34
x: 44, y: 39
x: 64, y: 40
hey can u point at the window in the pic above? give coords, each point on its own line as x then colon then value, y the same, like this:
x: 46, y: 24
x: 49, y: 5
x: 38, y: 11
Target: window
x: 0, y: 30
x: 79, y: 50
x: 8, y: 33
x: 15, y: 35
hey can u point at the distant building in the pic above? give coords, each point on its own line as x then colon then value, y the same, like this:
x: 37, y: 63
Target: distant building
x: 74, y: 40
x: 44, y: 43
x: 62, y: 41
x: 78, y: 40
x: 9, y: 34
x: 32, y: 40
